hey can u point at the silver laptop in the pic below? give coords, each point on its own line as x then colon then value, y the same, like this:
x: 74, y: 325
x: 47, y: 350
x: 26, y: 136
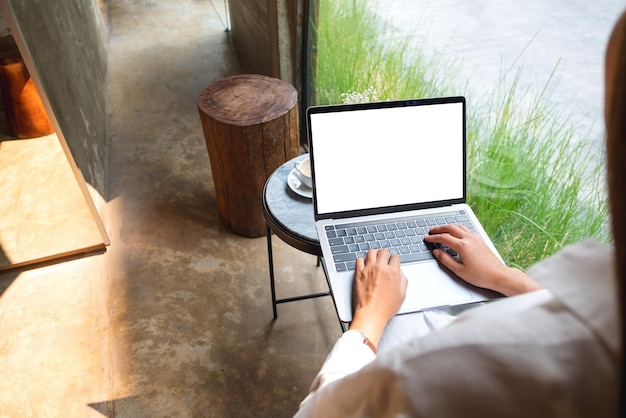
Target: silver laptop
x: 383, y: 174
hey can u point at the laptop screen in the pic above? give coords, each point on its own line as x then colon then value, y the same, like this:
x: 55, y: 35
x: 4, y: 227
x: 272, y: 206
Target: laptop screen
x: 387, y: 154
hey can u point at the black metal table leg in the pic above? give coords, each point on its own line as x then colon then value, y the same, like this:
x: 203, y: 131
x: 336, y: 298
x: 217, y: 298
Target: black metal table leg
x: 275, y: 302
x: 270, y: 257
x: 291, y: 218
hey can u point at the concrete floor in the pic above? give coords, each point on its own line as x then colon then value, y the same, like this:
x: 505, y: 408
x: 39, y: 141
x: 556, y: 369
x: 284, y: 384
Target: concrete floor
x: 175, y: 318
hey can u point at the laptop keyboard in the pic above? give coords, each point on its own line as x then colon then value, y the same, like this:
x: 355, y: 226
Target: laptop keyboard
x: 402, y: 236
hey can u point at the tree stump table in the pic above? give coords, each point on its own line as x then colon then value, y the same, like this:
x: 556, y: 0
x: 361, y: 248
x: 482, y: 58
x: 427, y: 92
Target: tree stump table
x: 250, y: 124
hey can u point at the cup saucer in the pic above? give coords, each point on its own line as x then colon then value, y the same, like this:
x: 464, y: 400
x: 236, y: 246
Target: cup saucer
x: 297, y: 186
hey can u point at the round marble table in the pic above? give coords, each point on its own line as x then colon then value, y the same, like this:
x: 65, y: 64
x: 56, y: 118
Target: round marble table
x: 289, y: 215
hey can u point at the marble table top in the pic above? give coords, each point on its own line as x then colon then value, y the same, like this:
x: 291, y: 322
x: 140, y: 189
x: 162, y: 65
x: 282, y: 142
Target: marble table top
x: 289, y: 214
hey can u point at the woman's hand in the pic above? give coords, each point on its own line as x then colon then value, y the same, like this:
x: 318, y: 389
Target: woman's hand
x: 478, y: 265
x: 378, y: 292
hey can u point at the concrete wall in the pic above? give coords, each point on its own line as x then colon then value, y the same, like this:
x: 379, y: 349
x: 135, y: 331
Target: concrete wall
x: 68, y: 44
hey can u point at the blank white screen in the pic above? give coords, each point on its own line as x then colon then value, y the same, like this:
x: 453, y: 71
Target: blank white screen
x: 374, y: 158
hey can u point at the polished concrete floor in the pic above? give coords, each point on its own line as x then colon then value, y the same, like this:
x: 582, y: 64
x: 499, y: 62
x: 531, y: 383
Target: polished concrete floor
x: 175, y: 318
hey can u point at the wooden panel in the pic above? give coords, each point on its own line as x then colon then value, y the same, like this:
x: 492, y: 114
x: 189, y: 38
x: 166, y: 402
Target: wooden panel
x: 254, y: 38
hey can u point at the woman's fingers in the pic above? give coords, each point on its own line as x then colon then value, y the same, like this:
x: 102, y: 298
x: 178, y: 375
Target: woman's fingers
x: 394, y: 260
x: 360, y: 263
x: 382, y: 255
x: 442, y: 238
x: 450, y: 262
x: 370, y: 257
x: 456, y: 230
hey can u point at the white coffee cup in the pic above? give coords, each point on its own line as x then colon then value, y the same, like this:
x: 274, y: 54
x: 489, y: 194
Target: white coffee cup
x: 303, y: 172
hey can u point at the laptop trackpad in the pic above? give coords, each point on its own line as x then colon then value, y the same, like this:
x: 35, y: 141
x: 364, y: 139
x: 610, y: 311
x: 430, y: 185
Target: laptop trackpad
x: 431, y: 286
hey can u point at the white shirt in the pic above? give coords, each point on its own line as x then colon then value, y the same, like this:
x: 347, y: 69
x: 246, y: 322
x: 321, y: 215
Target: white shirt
x: 547, y: 353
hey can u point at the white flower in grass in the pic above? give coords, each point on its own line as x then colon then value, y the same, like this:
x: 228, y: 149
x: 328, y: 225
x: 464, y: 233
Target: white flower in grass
x: 352, y: 97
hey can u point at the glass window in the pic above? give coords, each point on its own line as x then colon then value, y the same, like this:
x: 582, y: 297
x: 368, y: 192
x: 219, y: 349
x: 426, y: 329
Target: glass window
x: 532, y: 73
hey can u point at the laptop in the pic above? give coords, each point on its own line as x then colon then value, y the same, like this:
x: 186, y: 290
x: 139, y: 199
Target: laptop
x: 383, y: 174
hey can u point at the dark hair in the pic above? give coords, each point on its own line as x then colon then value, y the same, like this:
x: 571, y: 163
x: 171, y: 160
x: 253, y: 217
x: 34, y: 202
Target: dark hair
x: 615, y: 117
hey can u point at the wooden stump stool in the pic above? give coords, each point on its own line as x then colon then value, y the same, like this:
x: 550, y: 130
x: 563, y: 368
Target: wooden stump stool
x: 250, y: 124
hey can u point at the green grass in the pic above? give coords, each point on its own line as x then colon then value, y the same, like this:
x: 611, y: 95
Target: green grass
x: 530, y: 181
x: 352, y: 56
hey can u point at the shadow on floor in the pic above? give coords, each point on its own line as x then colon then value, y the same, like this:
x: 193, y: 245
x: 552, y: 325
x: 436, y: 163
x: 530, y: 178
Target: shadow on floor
x: 6, y: 277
